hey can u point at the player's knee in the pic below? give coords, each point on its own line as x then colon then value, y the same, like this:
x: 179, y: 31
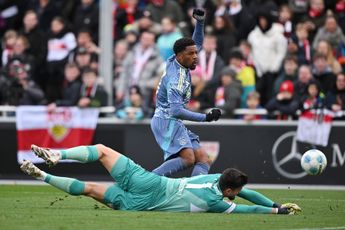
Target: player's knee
x: 188, y: 157
x: 201, y: 156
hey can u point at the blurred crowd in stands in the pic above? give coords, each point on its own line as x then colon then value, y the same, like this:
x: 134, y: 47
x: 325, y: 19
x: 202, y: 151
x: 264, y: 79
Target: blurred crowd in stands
x: 283, y: 55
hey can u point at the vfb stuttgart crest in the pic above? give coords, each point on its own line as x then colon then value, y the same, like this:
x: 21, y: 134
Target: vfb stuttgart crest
x: 211, y: 148
x: 59, y: 123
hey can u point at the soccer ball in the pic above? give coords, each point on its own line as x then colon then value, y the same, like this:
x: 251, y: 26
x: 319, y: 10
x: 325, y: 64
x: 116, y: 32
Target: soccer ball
x: 314, y: 162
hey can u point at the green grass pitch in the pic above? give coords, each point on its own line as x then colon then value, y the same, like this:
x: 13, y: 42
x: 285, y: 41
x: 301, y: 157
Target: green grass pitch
x: 44, y: 207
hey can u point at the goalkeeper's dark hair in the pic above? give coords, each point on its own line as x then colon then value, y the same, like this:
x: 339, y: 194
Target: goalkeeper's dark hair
x: 181, y: 44
x: 232, y: 178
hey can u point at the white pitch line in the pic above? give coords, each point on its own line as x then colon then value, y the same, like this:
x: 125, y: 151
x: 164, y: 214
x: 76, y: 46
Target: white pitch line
x: 323, y: 228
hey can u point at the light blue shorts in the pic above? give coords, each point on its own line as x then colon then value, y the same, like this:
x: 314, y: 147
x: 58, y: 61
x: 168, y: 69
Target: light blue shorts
x: 135, y: 188
x: 173, y: 136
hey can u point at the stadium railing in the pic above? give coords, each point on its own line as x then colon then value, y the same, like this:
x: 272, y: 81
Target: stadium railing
x: 109, y: 111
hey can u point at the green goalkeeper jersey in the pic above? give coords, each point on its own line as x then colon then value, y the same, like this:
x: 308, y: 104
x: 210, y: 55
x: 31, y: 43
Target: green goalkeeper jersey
x: 138, y: 189
x: 195, y: 194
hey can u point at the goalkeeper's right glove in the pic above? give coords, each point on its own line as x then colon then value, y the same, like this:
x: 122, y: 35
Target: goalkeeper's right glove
x: 289, y: 208
x: 213, y: 115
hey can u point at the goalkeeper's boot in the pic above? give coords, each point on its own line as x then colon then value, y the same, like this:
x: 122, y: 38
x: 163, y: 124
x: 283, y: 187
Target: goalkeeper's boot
x: 291, y: 208
x: 30, y: 169
x: 50, y: 157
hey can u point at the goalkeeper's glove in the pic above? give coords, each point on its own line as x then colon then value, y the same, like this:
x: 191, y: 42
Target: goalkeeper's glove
x: 199, y: 14
x: 289, y: 208
x: 213, y: 115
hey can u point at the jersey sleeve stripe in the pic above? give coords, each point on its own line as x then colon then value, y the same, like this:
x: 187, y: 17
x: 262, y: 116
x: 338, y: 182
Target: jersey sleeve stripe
x: 231, y: 208
x: 180, y: 81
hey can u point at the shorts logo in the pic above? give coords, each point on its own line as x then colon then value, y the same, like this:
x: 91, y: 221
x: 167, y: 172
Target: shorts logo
x: 182, y: 140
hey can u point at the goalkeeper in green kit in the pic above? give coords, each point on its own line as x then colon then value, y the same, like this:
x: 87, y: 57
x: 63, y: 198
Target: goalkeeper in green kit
x: 141, y: 190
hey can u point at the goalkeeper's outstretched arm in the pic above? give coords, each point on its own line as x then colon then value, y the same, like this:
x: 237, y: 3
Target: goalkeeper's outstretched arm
x: 242, y: 208
x: 256, y: 198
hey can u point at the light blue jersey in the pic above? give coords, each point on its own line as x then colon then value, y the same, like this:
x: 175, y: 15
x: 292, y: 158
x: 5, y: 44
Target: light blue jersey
x: 173, y: 93
x: 174, y: 89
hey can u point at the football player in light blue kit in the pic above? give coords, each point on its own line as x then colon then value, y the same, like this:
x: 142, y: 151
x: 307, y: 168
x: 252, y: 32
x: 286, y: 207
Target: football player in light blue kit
x: 180, y: 146
x: 138, y: 189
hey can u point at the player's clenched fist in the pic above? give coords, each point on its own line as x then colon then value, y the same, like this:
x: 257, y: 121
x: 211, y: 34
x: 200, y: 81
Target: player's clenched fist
x: 213, y: 115
x: 199, y: 14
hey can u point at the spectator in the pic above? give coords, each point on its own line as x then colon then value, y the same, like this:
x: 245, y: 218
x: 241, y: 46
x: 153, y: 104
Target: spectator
x: 304, y: 76
x: 141, y: 67
x: 126, y: 14
x: 8, y: 42
x: 242, y: 18
x: 170, y: 33
x: 120, y: 53
x: 335, y: 99
x: 131, y: 37
x: 224, y: 30
x: 144, y: 23
x: 315, y: 17
x: 339, y: 10
x: 71, y: 87
x: 299, y: 45
x: 201, y: 99
x: 246, y: 50
x: 299, y: 9
x: 20, y: 89
x: 210, y: 63
x: 84, y: 42
x: 269, y: 48
x: 83, y: 58
x: 323, y: 72
x: 284, y: 102
x: 313, y: 99
x: 289, y: 72
x: 285, y: 18
x: 36, y: 38
x: 325, y: 48
x: 163, y: 8
x: 46, y: 11
x: 60, y: 42
x: 92, y: 94
x: 245, y: 74
x: 208, y: 70
x: 252, y: 104
x: 228, y: 94
x: 11, y: 14
x: 330, y: 32
x: 132, y: 109
x: 21, y: 55
x: 86, y: 16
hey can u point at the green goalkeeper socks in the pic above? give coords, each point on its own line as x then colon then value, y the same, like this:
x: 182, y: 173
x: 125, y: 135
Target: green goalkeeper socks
x: 81, y: 153
x: 69, y: 185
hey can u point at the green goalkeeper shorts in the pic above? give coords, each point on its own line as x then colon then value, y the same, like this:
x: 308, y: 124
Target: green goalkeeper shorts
x: 134, y: 187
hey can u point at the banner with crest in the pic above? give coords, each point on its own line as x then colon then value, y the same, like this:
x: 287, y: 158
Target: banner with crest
x: 314, y: 126
x: 66, y: 127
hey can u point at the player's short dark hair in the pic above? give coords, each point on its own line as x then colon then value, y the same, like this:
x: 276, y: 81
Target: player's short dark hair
x: 232, y: 178
x: 181, y: 44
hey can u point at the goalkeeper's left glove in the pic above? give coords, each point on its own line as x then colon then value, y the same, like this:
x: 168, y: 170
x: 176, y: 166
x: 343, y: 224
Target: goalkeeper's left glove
x: 199, y: 14
x: 289, y: 208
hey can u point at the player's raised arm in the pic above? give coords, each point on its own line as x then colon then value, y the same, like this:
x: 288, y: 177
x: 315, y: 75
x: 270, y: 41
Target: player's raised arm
x: 198, y: 34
